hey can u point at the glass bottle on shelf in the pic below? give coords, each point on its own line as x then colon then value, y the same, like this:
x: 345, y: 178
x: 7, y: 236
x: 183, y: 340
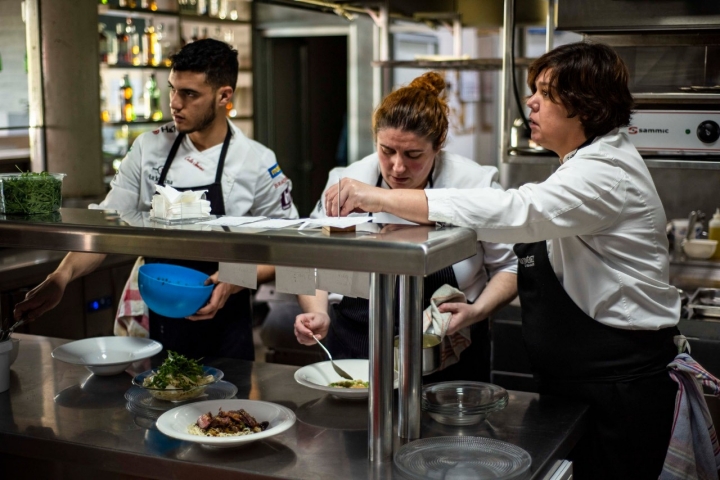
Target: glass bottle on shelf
x: 195, y: 34
x: 214, y: 8
x: 202, y: 7
x: 232, y: 9
x: 133, y: 43
x: 104, y: 112
x: 150, y: 44
x: 149, y: 5
x: 123, y: 45
x: 204, y: 33
x: 103, y: 49
x: 160, y: 40
x: 151, y: 98
x: 127, y: 110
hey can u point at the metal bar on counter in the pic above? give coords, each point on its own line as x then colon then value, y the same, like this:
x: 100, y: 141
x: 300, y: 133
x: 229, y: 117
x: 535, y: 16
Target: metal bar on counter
x: 380, y: 417
x: 410, y: 357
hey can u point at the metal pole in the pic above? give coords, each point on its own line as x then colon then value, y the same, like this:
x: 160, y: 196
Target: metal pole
x: 380, y: 418
x: 410, y: 356
x: 506, y: 92
x: 457, y: 37
x: 385, y: 53
x: 550, y: 26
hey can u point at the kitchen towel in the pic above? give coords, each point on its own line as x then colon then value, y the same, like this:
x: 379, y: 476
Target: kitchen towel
x: 132, y: 317
x: 694, y: 452
x: 452, y: 345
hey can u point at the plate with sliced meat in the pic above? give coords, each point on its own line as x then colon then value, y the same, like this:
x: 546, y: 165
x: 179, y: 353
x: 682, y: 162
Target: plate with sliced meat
x: 226, y: 423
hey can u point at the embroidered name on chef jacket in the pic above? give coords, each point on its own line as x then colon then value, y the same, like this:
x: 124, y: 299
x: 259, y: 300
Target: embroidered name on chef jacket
x: 528, y: 261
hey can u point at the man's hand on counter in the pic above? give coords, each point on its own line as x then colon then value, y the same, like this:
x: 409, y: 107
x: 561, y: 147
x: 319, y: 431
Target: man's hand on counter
x: 220, y: 295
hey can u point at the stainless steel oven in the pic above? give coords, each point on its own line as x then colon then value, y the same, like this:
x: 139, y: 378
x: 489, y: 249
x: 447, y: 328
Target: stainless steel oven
x: 672, y: 51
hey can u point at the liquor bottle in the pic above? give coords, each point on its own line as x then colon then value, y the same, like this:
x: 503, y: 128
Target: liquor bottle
x: 195, y: 34
x: 151, y: 98
x: 149, y: 5
x: 133, y: 43
x: 103, y: 43
x: 160, y: 40
x: 214, y: 8
x: 150, y: 44
x: 104, y: 113
x: 202, y: 7
x: 123, y: 47
x: 127, y: 110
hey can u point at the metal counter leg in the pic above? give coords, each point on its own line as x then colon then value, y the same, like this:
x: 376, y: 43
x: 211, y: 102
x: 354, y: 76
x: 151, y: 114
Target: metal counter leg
x: 380, y: 419
x: 410, y: 356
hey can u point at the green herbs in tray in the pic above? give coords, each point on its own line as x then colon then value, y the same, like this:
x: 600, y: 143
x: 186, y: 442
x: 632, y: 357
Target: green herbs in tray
x: 28, y: 193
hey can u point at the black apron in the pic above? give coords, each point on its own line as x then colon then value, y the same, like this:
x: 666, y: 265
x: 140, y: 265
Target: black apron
x: 622, y: 374
x: 229, y: 333
x: 348, y: 336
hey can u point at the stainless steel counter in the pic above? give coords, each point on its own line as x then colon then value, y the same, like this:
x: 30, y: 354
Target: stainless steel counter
x: 58, y: 420
x: 405, y: 251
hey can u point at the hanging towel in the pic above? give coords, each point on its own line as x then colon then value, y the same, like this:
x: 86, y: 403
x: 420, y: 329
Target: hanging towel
x: 452, y: 345
x: 132, y: 318
x: 694, y: 452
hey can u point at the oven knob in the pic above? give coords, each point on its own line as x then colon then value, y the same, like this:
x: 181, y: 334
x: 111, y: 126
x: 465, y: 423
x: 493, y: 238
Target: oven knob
x: 708, y: 131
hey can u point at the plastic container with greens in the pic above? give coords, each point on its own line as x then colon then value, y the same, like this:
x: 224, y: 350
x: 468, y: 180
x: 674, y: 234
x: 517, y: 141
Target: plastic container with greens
x: 29, y: 193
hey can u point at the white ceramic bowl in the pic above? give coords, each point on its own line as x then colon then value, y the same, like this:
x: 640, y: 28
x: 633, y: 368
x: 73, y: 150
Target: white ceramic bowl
x: 174, y: 423
x: 320, y: 375
x: 15, y: 350
x: 106, y: 355
x: 699, y: 248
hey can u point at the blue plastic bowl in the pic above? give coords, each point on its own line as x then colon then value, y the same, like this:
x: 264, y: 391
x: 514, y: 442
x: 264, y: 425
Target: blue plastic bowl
x: 173, y: 291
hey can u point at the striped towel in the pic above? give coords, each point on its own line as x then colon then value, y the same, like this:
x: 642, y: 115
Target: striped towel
x: 452, y: 345
x: 694, y: 452
x: 132, y: 318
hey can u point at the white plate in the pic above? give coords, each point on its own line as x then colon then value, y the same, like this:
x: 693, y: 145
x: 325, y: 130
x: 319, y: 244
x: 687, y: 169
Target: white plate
x: 174, y: 423
x: 320, y: 375
x: 106, y: 355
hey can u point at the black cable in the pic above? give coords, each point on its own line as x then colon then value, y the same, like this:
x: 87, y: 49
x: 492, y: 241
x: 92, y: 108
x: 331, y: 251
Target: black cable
x: 512, y: 61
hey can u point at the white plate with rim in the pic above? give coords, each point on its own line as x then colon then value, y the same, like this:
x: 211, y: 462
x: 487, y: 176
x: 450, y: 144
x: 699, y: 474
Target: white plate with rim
x: 107, y: 355
x: 175, y: 423
x: 320, y: 375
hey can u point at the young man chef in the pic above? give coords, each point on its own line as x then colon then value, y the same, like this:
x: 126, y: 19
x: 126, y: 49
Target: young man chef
x: 200, y: 150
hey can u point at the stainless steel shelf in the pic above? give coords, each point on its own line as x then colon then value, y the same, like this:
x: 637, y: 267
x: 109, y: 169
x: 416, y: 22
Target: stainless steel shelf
x: 712, y: 163
x: 416, y: 251
x: 689, y: 98
x: 480, y: 64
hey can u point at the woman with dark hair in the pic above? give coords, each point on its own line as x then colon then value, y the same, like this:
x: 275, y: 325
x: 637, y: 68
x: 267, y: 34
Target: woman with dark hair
x: 410, y: 128
x: 599, y: 316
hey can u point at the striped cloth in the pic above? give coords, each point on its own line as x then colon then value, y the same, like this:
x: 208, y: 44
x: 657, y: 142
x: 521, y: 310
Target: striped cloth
x: 452, y: 345
x: 132, y: 318
x: 694, y: 452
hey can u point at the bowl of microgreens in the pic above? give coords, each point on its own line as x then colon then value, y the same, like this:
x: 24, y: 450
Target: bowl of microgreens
x: 178, y: 379
x: 29, y: 193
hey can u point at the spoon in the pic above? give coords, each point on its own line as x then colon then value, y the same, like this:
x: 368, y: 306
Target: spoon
x: 5, y: 334
x: 337, y: 369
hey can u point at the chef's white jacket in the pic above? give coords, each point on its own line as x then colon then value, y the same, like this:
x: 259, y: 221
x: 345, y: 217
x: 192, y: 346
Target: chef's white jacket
x: 454, y: 170
x: 604, y: 225
x: 252, y: 181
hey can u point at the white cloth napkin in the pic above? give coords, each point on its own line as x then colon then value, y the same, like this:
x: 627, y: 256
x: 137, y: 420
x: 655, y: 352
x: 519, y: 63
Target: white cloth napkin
x: 170, y: 204
x: 452, y: 345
